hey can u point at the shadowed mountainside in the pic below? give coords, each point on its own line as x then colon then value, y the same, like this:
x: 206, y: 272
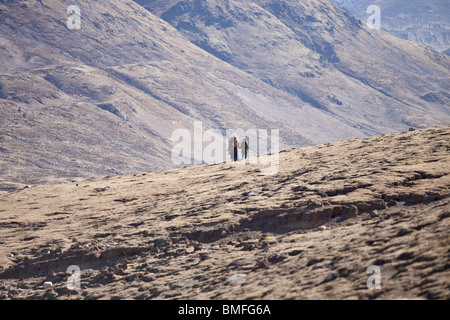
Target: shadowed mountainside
x: 227, y: 232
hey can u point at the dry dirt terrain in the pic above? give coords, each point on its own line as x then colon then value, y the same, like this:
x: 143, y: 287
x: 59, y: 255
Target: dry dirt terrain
x: 227, y: 231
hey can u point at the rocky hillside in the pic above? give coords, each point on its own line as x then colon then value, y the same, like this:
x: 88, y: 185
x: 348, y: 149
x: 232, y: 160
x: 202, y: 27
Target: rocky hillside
x: 424, y: 22
x: 321, y: 54
x: 105, y: 99
x: 226, y: 231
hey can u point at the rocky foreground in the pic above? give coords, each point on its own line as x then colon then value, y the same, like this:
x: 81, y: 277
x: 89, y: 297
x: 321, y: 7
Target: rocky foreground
x: 227, y: 231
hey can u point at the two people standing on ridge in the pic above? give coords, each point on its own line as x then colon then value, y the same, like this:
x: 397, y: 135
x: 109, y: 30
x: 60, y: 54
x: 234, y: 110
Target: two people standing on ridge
x: 234, y: 146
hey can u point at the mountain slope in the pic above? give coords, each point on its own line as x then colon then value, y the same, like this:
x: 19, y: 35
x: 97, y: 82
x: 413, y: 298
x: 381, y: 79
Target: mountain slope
x: 106, y: 99
x: 309, y: 232
x: 320, y: 53
x: 426, y: 23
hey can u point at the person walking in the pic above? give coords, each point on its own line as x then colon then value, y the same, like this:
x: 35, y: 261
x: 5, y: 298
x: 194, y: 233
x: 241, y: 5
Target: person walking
x: 244, y: 149
x: 235, y: 148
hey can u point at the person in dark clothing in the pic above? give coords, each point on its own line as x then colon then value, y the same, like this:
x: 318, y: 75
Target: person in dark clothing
x: 244, y: 149
x: 235, y: 148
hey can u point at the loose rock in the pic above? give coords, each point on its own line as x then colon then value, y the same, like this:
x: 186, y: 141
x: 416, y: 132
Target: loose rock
x: 403, y: 232
x: 330, y: 277
x: 351, y: 211
x: 236, y: 277
x: 374, y: 214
